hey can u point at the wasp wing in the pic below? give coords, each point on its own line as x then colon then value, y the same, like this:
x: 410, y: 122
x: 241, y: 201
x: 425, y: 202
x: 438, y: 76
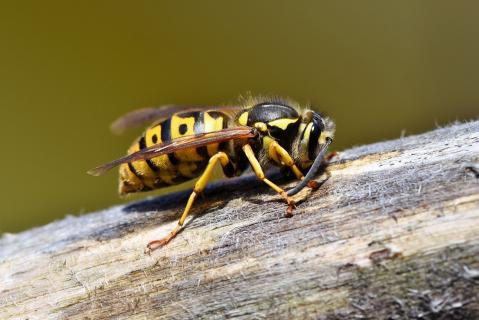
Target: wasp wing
x: 186, y: 142
x: 144, y: 116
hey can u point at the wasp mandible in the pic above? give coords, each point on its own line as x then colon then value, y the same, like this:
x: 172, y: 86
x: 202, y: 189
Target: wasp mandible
x: 184, y: 143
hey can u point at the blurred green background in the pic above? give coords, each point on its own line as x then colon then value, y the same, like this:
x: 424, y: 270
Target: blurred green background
x: 68, y: 68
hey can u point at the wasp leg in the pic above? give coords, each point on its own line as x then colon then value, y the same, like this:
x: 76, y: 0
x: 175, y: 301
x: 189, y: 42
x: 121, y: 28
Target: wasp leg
x: 199, y: 187
x: 284, y: 157
x: 260, y: 174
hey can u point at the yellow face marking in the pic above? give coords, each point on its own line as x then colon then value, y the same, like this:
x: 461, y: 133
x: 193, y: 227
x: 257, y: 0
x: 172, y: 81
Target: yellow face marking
x: 212, y: 124
x: 305, y: 139
x: 303, y: 153
x: 184, y: 127
x: 243, y: 119
x: 282, y: 123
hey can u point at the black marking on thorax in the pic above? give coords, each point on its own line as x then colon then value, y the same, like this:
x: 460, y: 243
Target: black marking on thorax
x: 266, y: 112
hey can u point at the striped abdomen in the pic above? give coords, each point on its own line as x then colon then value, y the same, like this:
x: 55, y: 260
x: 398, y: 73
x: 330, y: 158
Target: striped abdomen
x: 176, y: 167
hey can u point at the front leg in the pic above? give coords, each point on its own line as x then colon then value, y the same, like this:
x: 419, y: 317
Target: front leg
x: 281, y: 156
x: 260, y: 174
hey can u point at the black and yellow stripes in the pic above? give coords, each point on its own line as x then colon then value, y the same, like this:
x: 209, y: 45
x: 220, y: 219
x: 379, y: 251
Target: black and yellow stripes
x: 177, y: 167
x: 165, y: 128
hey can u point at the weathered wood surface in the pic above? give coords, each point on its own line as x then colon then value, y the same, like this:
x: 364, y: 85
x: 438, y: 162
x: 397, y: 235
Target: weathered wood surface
x: 393, y: 232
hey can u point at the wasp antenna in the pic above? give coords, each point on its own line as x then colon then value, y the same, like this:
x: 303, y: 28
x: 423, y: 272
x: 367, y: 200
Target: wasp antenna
x: 312, y: 171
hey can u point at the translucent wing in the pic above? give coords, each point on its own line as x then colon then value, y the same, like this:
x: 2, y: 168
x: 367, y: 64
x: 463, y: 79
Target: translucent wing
x: 192, y: 141
x: 144, y: 116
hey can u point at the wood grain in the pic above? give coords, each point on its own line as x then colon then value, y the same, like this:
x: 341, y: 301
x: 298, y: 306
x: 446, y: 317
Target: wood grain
x: 392, y: 232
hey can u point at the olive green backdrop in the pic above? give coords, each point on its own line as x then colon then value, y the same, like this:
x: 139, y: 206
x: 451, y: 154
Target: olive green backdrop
x: 67, y: 68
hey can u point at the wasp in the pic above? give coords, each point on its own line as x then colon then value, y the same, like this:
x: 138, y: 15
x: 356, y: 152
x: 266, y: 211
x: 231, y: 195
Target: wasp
x: 184, y: 143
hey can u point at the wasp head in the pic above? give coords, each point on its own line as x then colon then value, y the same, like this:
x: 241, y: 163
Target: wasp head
x: 314, y: 132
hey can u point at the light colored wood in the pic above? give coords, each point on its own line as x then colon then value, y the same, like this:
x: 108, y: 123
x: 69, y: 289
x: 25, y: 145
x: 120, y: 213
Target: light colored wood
x: 393, y: 231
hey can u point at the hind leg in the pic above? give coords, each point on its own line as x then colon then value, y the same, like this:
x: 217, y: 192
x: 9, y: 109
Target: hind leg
x: 199, y: 187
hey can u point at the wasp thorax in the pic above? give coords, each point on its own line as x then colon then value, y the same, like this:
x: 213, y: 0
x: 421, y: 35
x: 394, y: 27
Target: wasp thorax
x: 313, y: 133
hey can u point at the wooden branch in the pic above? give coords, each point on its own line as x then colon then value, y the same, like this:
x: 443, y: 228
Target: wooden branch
x: 392, y: 232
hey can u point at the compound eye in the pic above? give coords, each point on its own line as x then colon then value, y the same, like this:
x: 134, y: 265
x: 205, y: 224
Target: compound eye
x: 314, y: 140
x: 314, y: 128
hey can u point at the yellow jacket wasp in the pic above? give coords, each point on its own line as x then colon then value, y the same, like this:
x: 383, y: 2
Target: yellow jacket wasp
x: 186, y: 142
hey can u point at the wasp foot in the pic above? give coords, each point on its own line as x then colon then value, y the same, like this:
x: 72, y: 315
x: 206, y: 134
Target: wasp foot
x: 155, y: 244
